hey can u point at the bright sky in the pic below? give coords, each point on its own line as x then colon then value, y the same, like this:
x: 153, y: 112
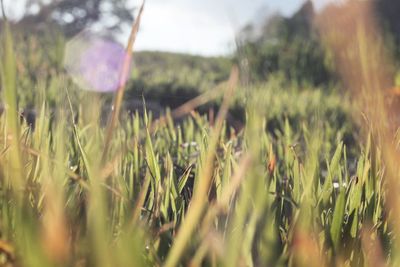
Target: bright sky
x: 204, y: 27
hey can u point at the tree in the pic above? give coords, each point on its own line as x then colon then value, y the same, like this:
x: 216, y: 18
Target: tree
x: 289, y: 46
x: 72, y: 16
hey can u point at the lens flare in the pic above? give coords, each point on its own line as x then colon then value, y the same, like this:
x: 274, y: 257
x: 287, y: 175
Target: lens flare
x: 94, y: 62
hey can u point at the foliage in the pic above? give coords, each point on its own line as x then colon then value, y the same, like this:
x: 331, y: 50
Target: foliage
x: 129, y: 210
x: 286, y: 45
x: 291, y: 45
x: 73, y: 16
x: 172, y: 79
x: 268, y: 188
x: 295, y: 186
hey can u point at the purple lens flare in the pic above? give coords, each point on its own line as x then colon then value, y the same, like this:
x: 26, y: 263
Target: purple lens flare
x: 96, y: 63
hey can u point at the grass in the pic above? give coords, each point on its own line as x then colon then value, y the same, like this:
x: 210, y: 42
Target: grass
x: 296, y: 186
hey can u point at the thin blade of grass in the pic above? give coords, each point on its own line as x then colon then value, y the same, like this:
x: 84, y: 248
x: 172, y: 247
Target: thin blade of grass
x: 124, y: 74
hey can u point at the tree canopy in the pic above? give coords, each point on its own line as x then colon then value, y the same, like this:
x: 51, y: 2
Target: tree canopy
x: 72, y: 16
x: 286, y: 45
x: 291, y: 45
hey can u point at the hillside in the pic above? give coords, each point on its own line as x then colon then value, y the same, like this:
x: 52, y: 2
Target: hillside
x: 173, y: 78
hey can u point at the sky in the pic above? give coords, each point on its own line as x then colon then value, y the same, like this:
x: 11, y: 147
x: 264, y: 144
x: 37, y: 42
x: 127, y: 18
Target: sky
x: 202, y: 27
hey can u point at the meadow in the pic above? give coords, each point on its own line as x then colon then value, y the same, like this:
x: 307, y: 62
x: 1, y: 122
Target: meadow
x: 304, y: 177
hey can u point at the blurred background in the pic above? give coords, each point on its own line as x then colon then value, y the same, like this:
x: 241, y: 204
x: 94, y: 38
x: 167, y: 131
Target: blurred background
x: 186, y: 47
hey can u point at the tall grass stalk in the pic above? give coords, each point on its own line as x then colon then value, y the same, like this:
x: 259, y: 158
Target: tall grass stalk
x: 123, y: 78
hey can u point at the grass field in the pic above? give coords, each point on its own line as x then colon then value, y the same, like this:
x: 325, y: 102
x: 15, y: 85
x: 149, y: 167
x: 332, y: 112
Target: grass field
x: 305, y: 180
